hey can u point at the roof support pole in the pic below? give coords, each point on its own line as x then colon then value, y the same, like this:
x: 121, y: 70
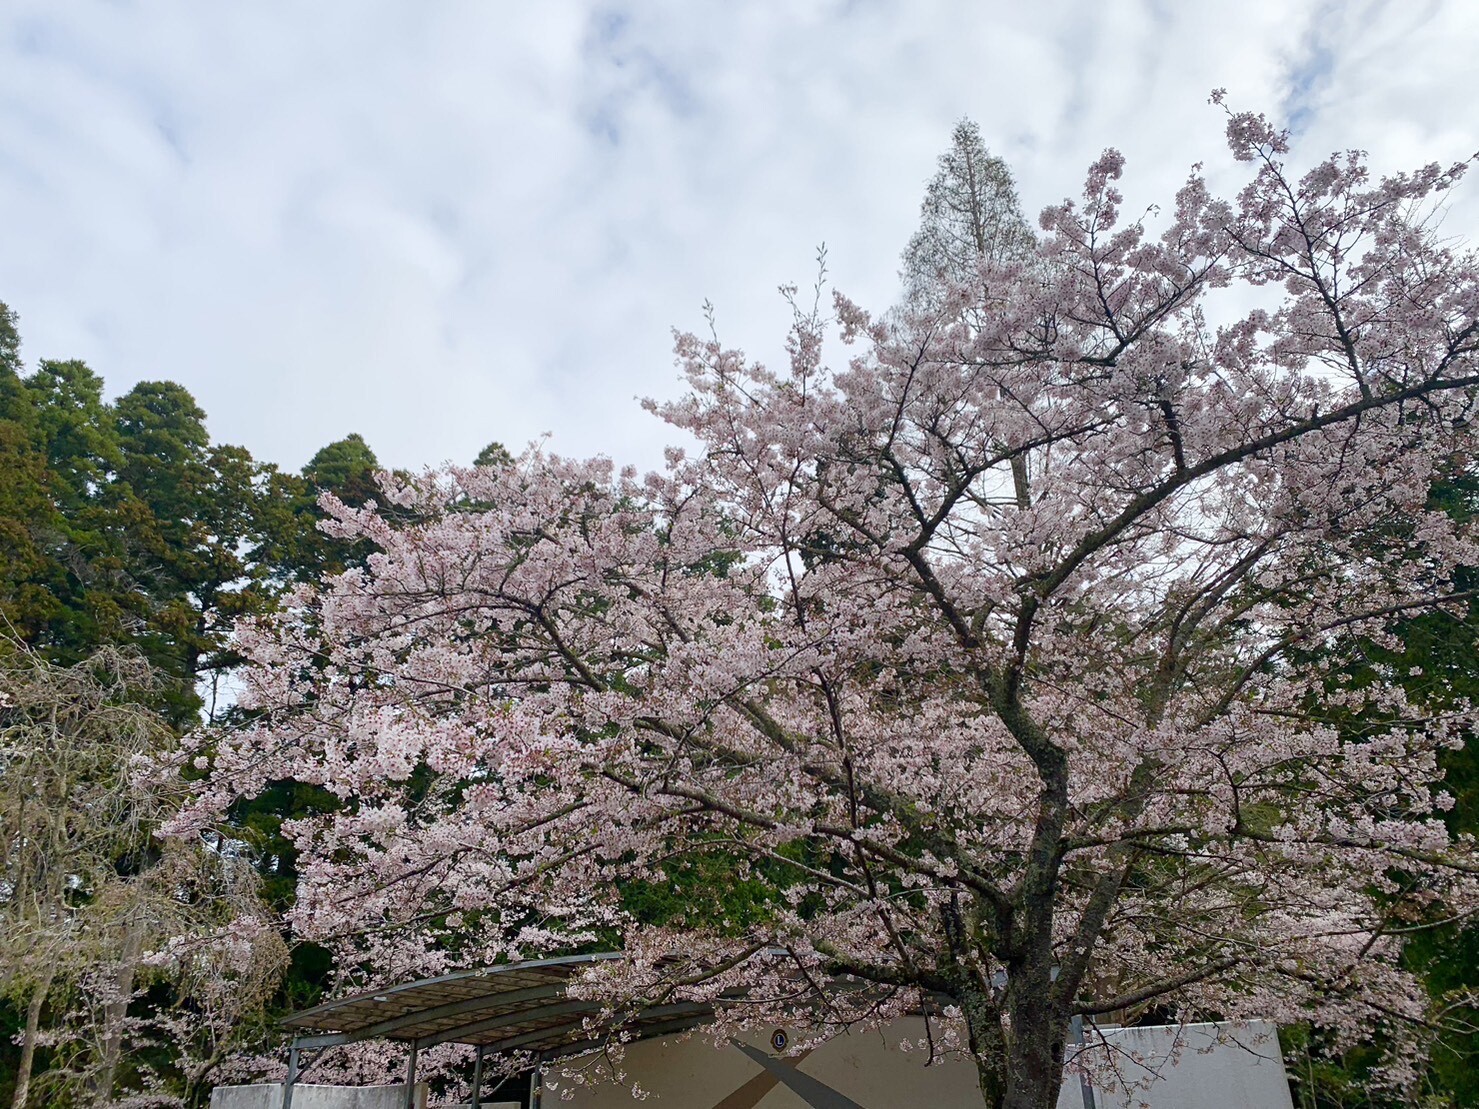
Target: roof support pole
x: 411, y: 1075
x: 287, y: 1087
x: 536, y: 1082
x: 476, y: 1100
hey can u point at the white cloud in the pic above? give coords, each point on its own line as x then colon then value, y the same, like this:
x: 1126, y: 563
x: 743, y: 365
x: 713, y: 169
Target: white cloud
x: 444, y: 223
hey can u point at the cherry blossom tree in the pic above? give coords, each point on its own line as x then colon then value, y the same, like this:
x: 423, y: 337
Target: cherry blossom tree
x: 94, y: 914
x: 1000, y: 673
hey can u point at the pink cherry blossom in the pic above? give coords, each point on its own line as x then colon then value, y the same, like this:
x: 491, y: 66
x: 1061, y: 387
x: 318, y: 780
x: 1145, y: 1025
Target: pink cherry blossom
x: 1008, y: 657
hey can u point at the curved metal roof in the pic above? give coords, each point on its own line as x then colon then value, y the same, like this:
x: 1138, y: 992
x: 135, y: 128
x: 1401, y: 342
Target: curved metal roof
x: 512, y: 1007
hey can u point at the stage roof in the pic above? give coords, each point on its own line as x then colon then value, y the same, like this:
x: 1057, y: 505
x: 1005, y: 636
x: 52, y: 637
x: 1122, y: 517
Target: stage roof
x: 512, y: 1007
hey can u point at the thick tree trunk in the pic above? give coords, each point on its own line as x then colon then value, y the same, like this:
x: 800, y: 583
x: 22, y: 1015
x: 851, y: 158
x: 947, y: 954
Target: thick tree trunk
x: 1019, y: 1066
x: 1028, y: 1075
x: 1034, y: 1069
x: 1019, y: 1027
x: 28, y: 1039
x: 1037, y: 1038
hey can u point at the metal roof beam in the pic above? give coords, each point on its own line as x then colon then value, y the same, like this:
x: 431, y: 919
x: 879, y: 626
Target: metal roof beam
x: 326, y: 1039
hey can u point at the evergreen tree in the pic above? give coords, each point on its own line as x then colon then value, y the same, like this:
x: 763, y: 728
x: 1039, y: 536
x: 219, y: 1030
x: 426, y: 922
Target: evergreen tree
x: 163, y: 484
x: 28, y: 575
x: 77, y: 431
x: 345, y: 468
x: 494, y: 454
x: 294, y: 546
x: 88, y: 549
x: 970, y: 217
x: 123, y: 529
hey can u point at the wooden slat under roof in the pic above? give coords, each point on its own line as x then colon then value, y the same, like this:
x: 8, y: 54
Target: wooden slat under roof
x: 512, y: 1007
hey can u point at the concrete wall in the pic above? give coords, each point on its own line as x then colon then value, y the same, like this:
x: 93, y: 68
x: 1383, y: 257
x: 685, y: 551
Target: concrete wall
x: 1234, y: 1067
x: 307, y: 1095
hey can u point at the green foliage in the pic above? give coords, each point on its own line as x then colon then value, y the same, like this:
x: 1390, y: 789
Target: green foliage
x: 10, y: 341
x: 76, y: 433
x: 29, y: 575
x: 292, y: 543
x: 1437, y: 663
x: 259, y: 824
x: 494, y: 455
x: 123, y: 525
x: 723, y: 890
x: 345, y: 468
x: 123, y: 522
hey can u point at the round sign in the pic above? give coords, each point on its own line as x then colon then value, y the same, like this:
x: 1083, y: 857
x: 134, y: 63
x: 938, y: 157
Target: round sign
x: 779, y: 1039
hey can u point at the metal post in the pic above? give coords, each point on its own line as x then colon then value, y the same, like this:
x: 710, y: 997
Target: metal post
x: 411, y: 1076
x: 476, y: 1101
x: 287, y: 1087
x: 536, y: 1083
x: 1076, y: 1028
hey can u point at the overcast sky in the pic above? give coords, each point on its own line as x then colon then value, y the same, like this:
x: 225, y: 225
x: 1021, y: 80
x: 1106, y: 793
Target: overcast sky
x: 440, y: 223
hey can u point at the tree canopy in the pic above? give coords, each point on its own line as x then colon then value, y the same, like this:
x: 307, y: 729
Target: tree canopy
x: 1030, y: 660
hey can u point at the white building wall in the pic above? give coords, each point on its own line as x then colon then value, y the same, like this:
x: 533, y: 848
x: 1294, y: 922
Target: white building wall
x: 1216, y: 1067
x: 1197, y: 1066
